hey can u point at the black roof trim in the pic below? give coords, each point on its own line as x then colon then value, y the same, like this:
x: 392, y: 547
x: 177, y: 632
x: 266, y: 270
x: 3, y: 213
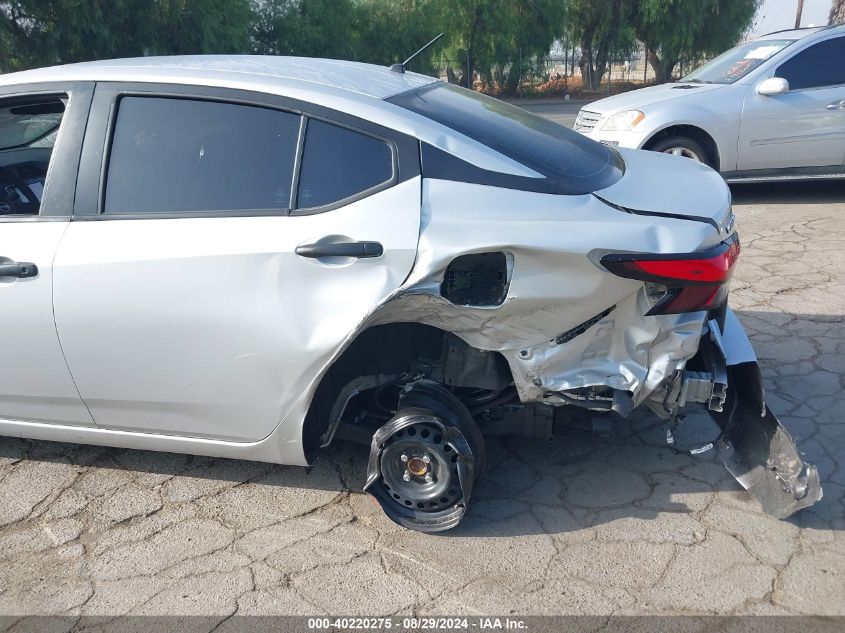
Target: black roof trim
x: 441, y: 165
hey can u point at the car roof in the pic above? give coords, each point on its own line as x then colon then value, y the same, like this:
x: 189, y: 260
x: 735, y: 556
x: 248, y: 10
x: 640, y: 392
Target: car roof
x: 370, y: 80
x: 797, y: 34
x: 353, y: 87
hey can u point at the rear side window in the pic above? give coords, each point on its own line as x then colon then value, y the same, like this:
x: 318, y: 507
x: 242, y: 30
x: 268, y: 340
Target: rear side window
x: 28, y: 132
x: 572, y: 163
x: 180, y: 156
x: 817, y: 66
x: 338, y: 163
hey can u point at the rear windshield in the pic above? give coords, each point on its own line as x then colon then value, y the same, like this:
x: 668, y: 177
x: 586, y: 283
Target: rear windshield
x: 576, y: 163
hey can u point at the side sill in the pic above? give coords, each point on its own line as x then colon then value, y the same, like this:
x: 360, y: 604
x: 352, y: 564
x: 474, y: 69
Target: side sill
x: 273, y: 448
x: 833, y: 172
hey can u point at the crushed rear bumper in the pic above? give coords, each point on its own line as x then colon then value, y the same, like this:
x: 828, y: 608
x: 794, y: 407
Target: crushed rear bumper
x: 754, y: 446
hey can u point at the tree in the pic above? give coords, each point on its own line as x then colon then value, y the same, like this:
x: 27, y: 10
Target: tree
x: 312, y: 28
x: 184, y: 27
x: 498, y: 39
x: 673, y: 29
x: 43, y: 32
x: 600, y: 28
x: 524, y: 33
x: 389, y: 31
x: 465, y: 23
x: 51, y: 31
x: 837, y: 12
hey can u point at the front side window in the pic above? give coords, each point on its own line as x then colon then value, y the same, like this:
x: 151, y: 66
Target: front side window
x: 736, y: 63
x: 28, y: 132
x: 817, y: 66
x: 574, y: 163
x: 172, y: 155
x: 338, y: 163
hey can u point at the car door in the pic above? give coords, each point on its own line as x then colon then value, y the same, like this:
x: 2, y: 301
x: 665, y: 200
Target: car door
x: 190, y: 299
x: 804, y: 128
x: 40, y: 136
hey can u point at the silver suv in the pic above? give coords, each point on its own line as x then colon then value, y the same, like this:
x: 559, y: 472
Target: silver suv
x: 771, y: 108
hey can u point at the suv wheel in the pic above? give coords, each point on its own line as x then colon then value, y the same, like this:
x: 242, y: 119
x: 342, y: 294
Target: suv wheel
x: 682, y: 146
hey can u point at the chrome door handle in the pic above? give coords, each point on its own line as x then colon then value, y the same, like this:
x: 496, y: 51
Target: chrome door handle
x: 836, y: 105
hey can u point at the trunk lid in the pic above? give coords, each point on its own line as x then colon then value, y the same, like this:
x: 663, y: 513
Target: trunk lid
x: 669, y: 186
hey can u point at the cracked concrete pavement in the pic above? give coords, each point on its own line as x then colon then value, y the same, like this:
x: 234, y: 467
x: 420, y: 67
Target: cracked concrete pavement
x: 578, y: 525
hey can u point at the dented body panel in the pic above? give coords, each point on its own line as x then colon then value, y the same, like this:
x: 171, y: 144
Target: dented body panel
x: 554, y: 286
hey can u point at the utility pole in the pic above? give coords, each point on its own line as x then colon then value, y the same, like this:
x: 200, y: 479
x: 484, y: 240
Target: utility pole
x: 837, y: 12
x: 798, y: 14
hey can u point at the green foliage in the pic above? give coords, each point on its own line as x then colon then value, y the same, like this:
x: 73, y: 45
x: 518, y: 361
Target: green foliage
x: 599, y: 28
x: 182, y: 27
x: 501, y: 39
x: 39, y: 32
x: 388, y: 32
x: 496, y: 42
x: 672, y: 29
x: 311, y: 28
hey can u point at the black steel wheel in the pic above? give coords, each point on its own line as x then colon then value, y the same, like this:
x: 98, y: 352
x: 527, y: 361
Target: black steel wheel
x: 419, y: 468
x: 425, y: 460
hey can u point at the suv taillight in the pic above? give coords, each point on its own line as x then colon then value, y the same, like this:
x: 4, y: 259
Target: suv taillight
x: 694, y: 281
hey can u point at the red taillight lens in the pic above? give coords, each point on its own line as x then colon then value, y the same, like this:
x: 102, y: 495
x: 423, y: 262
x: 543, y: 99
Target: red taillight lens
x: 695, y: 281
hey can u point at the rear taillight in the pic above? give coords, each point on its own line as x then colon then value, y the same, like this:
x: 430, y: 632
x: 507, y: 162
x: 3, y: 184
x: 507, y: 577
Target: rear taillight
x: 693, y: 281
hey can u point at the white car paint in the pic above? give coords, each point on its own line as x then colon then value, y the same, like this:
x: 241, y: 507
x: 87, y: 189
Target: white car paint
x: 221, y: 319
x: 36, y: 384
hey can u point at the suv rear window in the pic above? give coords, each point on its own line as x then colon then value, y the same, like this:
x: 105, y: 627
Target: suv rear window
x: 182, y: 155
x: 574, y: 163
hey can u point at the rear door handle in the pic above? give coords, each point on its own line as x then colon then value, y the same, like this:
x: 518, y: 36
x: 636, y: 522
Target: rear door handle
x: 836, y: 105
x: 21, y: 270
x: 342, y: 249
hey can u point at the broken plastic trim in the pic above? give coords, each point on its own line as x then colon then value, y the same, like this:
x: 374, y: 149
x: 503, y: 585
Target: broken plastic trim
x: 760, y: 453
x: 754, y: 446
x: 580, y: 329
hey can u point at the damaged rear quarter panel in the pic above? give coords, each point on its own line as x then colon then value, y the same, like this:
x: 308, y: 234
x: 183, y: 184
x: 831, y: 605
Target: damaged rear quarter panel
x: 554, y: 286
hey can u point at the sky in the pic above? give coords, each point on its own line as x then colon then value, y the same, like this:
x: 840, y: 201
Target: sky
x: 775, y: 15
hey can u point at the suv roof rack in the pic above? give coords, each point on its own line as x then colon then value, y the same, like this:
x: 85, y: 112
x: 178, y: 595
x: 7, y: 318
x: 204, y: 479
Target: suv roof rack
x: 803, y: 28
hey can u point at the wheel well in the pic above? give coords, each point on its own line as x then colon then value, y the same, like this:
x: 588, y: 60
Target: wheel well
x: 693, y: 132
x: 393, y: 352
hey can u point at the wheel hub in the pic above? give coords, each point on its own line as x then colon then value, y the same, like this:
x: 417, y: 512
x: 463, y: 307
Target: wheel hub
x: 684, y: 152
x: 419, y: 469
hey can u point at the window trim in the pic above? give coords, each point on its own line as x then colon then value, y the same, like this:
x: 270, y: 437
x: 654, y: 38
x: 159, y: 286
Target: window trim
x: 60, y: 182
x: 795, y: 54
x: 93, y: 171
